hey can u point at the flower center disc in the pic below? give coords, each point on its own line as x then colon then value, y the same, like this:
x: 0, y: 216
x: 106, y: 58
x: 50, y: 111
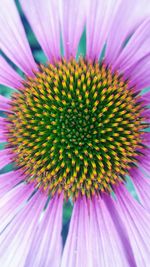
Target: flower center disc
x: 75, y: 127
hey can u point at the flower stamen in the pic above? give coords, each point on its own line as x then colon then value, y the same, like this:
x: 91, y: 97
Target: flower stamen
x: 76, y: 127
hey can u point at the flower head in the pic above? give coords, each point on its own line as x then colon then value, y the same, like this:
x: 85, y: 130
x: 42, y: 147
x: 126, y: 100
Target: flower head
x: 75, y: 128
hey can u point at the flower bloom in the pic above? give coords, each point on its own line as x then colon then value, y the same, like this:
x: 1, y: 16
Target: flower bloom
x: 75, y: 129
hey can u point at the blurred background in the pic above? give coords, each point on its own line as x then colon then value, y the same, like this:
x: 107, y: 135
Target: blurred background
x: 40, y: 58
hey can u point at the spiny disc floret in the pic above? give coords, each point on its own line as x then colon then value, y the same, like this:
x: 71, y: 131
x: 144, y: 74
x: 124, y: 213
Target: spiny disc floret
x: 75, y: 127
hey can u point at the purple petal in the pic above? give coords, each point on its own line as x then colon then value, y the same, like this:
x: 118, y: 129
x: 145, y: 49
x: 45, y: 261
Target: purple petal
x: 44, y: 20
x: 142, y: 185
x: 8, y: 76
x: 136, y: 49
x: 76, y: 252
x: 2, y: 134
x: 107, y: 236
x: 46, y: 246
x: 136, y: 220
x: 2, y: 121
x: 9, y: 180
x: 3, y: 138
x: 100, y: 15
x: 72, y: 18
x: 144, y: 160
x: 93, y: 239
x: 5, y: 157
x: 3, y: 130
x: 5, y: 104
x: 146, y: 98
x: 13, y: 41
x: 125, y: 242
x: 146, y: 114
x: 146, y: 138
x: 128, y: 17
x: 12, y: 202
x: 16, y: 238
x: 140, y: 74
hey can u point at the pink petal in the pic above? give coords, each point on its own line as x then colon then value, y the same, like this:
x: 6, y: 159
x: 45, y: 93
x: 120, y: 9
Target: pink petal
x: 146, y: 98
x: 100, y: 15
x: 44, y: 20
x: 146, y: 138
x: 3, y: 130
x: 122, y: 233
x: 3, y: 126
x: 142, y: 185
x: 72, y: 18
x: 140, y: 74
x: 112, y: 249
x: 146, y: 171
x: 46, y: 246
x: 136, y: 220
x: 13, y: 41
x: 8, y: 76
x: 2, y: 121
x: 93, y: 238
x: 144, y: 159
x: 128, y: 17
x: 9, y: 180
x: 3, y: 138
x: 16, y: 238
x: 5, y: 104
x: 5, y: 157
x: 77, y: 252
x: 146, y: 114
x: 12, y: 202
x: 136, y: 49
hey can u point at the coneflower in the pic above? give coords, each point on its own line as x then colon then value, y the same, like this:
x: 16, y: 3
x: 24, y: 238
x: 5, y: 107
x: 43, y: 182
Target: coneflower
x: 76, y: 129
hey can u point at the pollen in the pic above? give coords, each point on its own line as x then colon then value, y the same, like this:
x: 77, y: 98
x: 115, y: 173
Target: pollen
x: 75, y: 127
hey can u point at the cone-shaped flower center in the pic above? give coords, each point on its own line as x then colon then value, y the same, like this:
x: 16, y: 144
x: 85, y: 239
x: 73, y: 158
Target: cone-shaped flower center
x: 75, y: 127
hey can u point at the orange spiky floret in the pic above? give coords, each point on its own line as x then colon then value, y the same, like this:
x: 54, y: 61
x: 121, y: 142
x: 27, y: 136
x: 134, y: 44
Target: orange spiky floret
x: 76, y: 127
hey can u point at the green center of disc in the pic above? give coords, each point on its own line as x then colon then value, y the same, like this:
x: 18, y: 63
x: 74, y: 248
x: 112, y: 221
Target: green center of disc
x: 75, y: 127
